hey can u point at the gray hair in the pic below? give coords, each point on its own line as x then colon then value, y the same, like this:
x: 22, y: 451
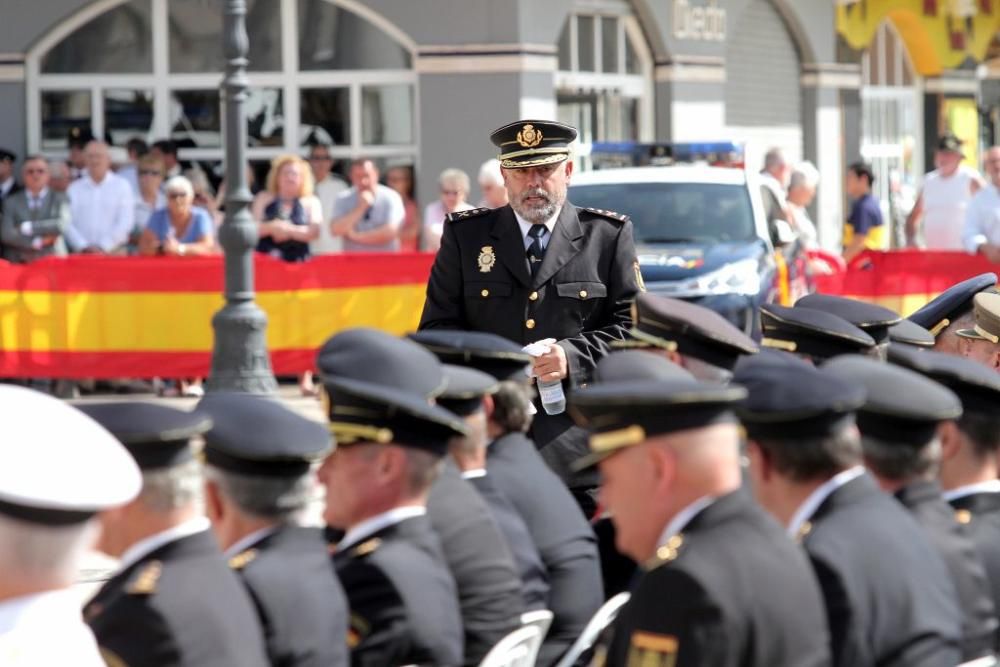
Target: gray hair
x: 489, y: 173
x: 264, y: 497
x: 422, y: 469
x: 179, y: 182
x: 774, y: 158
x: 900, y: 461
x: 804, y: 174
x: 807, y: 459
x: 172, y: 488
x: 44, y: 553
x: 454, y: 177
x: 511, y: 406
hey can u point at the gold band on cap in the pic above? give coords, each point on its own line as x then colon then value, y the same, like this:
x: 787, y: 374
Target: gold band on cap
x: 939, y: 327
x: 993, y: 338
x: 348, y: 432
x: 623, y: 437
x: 650, y: 339
x: 535, y: 151
x: 778, y: 344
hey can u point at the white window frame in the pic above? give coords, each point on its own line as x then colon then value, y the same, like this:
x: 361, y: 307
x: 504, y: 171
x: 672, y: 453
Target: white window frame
x: 162, y: 82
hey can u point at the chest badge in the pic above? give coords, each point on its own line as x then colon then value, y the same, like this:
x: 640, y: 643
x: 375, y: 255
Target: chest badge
x: 487, y: 258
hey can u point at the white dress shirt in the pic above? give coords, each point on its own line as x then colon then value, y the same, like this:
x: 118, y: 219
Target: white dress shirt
x: 376, y: 523
x: 982, y: 219
x: 683, y: 518
x: 526, y: 226
x: 473, y: 474
x: 989, y: 486
x: 6, y: 187
x: 326, y: 191
x: 46, y: 629
x: 144, y: 547
x: 816, y: 498
x: 102, y: 214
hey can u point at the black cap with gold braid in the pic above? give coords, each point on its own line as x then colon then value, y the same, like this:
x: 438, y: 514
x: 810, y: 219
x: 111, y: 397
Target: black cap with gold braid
x: 532, y: 143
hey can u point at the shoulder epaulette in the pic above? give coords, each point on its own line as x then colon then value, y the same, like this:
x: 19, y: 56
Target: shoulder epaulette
x: 471, y: 213
x: 357, y: 629
x: 242, y: 559
x: 667, y: 553
x: 145, y: 581
x: 610, y: 215
x: 366, y: 547
x: 112, y: 659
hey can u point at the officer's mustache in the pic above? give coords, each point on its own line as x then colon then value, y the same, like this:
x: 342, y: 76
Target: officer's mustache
x: 536, y: 192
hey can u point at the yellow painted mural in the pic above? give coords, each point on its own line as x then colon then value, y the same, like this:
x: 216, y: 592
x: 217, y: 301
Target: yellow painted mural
x: 939, y: 34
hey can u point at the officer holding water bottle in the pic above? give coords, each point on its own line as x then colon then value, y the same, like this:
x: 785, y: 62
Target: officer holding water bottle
x: 539, y: 270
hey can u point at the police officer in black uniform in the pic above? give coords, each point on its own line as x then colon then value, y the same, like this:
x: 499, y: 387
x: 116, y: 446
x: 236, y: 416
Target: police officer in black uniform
x: 539, y: 268
x: 898, y: 423
x: 259, y: 457
x: 969, y: 447
x: 474, y: 549
x: 888, y: 594
x: 670, y: 462
x: 174, y: 601
x: 564, y: 540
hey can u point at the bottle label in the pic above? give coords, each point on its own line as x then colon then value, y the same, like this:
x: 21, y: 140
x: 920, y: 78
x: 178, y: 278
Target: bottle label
x: 551, y: 392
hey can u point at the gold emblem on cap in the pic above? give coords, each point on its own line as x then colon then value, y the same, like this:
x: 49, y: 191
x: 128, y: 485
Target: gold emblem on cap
x: 529, y: 137
x: 487, y: 258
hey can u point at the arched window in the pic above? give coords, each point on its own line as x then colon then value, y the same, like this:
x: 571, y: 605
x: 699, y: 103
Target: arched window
x: 604, y: 82
x: 327, y: 70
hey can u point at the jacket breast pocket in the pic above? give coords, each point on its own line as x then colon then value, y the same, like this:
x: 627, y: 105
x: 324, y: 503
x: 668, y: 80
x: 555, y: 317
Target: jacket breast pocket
x: 583, y: 291
x: 584, y: 300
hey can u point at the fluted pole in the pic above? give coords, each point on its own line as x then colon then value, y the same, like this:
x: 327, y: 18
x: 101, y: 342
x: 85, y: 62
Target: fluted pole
x: 239, y: 359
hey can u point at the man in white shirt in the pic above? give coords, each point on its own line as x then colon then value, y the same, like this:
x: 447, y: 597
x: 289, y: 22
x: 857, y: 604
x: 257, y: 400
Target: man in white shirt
x: 981, y: 233
x: 47, y: 523
x: 888, y: 595
x: 327, y: 188
x: 943, y: 200
x: 173, y: 594
x: 102, y: 206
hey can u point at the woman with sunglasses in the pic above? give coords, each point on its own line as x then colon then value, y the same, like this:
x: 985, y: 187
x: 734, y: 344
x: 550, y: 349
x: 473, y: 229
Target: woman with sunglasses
x: 454, y: 185
x: 181, y: 229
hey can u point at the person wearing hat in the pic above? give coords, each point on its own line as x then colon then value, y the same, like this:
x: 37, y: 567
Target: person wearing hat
x: 669, y: 454
x: 259, y: 462
x: 908, y: 332
x: 981, y: 342
x: 952, y: 310
x: 898, y: 423
x: 539, y: 267
x: 873, y: 319
x: 469, y: 395
x: 173, y: 599
x: 474, y: 549
x: 811, y: 334
x: 969, y: 445
x: 888, y: 596
x: 696, y: 338
x: 48, y: 522
x: 939, y: 212
x: 557, y: 527
x: 981, y: 233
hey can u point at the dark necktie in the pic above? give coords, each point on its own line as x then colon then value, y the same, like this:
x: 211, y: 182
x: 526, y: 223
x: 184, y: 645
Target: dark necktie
x: 535, y: 251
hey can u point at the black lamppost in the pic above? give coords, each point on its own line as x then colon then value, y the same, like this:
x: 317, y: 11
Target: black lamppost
x: 239, y: 359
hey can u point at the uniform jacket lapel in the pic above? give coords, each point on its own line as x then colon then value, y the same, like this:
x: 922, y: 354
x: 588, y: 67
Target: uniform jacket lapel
x: 510, y: 245
x: 563, y: 246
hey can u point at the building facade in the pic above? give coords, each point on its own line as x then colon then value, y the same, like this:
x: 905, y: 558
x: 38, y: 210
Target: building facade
x: 424, y: 81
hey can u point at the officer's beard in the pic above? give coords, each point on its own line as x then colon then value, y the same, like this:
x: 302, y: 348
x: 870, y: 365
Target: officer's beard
x: 537, y: 210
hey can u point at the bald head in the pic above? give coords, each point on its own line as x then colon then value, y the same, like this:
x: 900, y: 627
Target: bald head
x: 98, y: 160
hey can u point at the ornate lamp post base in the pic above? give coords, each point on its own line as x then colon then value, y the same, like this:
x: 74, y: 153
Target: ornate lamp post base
x: 239, y: 360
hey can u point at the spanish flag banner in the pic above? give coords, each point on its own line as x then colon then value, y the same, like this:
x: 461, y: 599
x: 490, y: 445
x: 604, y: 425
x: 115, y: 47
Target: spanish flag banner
x: 108, y: 317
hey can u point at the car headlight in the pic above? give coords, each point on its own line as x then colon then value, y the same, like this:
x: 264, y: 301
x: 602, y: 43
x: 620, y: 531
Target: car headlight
x: 740, y: 277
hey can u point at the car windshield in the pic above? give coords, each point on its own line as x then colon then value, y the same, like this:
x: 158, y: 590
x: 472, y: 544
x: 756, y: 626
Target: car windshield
x: 675, y: 212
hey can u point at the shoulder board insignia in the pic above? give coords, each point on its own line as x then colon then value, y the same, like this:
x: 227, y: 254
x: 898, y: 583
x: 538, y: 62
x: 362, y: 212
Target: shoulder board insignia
x: 963, y: 516
x: 648, y: 648
x: 357, y: 629
x: 610, y: 215
x: 666, y: 553
x: 144, y: 583
x: 471, y: 213
x: 366, y: 547
x: 242, y: 559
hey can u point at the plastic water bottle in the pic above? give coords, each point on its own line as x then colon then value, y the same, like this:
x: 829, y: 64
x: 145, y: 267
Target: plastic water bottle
x: 551, y: 393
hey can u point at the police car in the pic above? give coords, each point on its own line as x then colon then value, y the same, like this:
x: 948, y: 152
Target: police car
x: 700, y: 229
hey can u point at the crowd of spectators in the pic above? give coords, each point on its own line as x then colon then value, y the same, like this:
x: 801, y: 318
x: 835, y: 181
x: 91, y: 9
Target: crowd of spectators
x: 304, y: 209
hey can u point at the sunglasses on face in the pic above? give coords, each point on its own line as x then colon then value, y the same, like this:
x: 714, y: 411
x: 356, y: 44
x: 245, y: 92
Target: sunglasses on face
x: 320, y: 158
x: 177, y: 195
x: 148, y: 172
x: 36, y: 171
x: 451, y: 193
